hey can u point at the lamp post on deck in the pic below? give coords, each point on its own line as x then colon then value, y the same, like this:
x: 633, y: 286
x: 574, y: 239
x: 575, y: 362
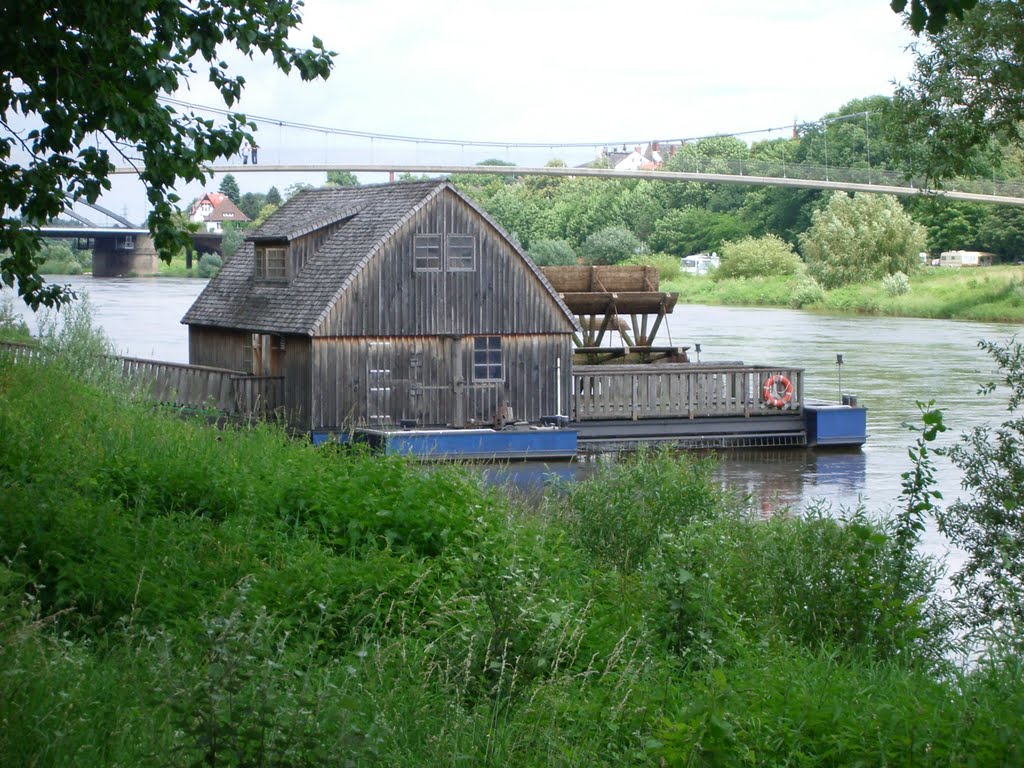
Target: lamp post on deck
x: 839, y: 373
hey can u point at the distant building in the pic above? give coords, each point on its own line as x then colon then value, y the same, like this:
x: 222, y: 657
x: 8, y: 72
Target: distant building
x: 642, y: 157
x: 213, y: 209
x: 966, y: 259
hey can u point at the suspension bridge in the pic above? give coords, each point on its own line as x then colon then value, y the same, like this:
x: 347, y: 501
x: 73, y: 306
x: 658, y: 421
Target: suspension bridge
x: 735, y: 172
x: 301, y: 148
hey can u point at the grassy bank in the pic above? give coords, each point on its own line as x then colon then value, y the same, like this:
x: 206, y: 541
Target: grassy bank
x: 171, y: 594
x: 992, y: 294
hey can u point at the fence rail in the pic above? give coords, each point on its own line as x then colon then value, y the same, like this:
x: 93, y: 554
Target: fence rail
x: 192, y: 386
x: 682, y: 390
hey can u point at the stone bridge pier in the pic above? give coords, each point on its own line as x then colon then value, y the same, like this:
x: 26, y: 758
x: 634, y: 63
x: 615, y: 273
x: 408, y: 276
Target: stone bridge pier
x: 124, y: 255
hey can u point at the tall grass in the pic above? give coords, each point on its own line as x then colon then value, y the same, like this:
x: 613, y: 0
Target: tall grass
x: 173, y: 594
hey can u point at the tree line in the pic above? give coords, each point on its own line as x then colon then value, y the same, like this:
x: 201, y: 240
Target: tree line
x: 564, y: 219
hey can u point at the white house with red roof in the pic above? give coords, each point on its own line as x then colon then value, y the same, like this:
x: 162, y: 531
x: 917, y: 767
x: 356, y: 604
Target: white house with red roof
x: 213, y: 209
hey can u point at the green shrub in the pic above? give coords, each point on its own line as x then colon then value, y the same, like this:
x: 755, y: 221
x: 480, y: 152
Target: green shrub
x: 767, y: 256
x: 987, y: 524
x: 806, y: 291
x: 553, y: 253
x: 12, y: 327
x: 58, y: 258
x: 778, y: 707
x: 896, y: 284
x: 610, y: 245
x: 620, y: 514
x: 813, y: 581
x: 667, y: 264
x: 209, y: 265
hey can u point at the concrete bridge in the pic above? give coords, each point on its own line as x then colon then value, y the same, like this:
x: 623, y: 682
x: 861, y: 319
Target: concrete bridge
x: 125, y: 251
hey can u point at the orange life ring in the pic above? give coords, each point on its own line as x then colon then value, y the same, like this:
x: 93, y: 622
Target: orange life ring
x: 778, y: 390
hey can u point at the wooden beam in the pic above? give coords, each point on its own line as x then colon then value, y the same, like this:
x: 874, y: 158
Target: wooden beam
x: 630, y: 302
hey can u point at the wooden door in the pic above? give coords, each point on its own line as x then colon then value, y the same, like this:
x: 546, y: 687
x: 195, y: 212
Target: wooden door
x: 379, y: 383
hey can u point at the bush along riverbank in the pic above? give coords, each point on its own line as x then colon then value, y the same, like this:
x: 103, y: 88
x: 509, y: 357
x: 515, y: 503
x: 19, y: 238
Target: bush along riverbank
x: 990, y: 294
x: 177, y: 595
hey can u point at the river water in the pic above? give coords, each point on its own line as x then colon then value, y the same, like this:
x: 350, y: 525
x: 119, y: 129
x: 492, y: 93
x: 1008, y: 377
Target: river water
x: 889, y: 363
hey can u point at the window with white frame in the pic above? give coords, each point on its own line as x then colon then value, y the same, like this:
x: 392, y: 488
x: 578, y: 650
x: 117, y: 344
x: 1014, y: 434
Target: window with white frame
x: 427, y: 253
x: 487, y: 359
x: 271, y: 262
x: 444, y: 253
x: 461, y: 253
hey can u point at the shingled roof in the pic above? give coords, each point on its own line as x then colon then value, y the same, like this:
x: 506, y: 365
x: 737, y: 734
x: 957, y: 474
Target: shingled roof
x: 369, y: 215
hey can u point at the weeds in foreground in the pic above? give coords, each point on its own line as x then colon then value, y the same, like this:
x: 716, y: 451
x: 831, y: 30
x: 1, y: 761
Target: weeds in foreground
x: 175, y: 595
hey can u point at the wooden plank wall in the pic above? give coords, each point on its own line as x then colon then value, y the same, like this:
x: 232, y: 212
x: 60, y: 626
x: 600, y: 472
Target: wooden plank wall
x: 674, y: 391
x: 389, y: 379
x: 217, y: 347
x: 502, y: 295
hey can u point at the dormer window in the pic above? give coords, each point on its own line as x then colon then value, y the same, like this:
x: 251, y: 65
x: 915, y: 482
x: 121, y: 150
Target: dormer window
x: 271, y: 262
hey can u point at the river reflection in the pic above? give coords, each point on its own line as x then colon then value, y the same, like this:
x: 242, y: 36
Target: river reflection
x: 775, y: 481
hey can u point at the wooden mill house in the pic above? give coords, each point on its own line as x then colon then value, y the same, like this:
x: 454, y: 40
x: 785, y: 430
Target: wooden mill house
x: 385, y: 305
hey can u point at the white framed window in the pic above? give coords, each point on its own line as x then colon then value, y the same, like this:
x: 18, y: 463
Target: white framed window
x: 487, y: 359
x: 461, y: 253
x: 427, y: 253
x: 444, y: 253
x: 271, y: 262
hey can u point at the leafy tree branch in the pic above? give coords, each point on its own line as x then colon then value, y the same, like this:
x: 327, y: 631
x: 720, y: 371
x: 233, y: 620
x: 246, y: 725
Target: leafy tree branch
x: 76, y: 70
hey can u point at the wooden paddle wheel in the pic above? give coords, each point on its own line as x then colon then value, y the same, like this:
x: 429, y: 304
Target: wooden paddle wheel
x: 622, y: 301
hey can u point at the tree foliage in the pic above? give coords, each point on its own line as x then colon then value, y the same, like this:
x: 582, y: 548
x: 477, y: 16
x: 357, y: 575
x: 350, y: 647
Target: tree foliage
x: 73, y: 71
x: 861, y: 238
x: 987, y: 525
x: 251, y: 203
x: 854, y: 136
x: 695, y: 230
x: 611, y: 245
x: 554, y: 253
x: 339, y: 179
x: 965, y: 92
x: 757, y: 257
x: 931, y: 15
x: 231, y: 240
x: 229, y: 187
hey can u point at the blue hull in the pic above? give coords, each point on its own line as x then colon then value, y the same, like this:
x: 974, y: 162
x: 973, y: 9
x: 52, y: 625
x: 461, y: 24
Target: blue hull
x: 828, y: 424
x: 468, y: 444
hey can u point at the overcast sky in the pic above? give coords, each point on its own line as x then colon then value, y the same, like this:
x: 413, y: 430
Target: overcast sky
x: 556, y: 71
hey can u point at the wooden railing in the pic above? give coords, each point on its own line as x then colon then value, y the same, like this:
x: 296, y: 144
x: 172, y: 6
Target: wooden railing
x: 192, y: 386
x: 678, y: 391
x: 18, y: 352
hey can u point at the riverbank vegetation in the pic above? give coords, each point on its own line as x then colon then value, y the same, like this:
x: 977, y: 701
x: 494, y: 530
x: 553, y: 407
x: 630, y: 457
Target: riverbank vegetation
x: 175, y: 594
x: 990, y: 294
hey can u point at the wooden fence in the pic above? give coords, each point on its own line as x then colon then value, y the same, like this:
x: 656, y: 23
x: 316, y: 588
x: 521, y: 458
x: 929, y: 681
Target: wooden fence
x: 190, y: 386
x: 678, y: 391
